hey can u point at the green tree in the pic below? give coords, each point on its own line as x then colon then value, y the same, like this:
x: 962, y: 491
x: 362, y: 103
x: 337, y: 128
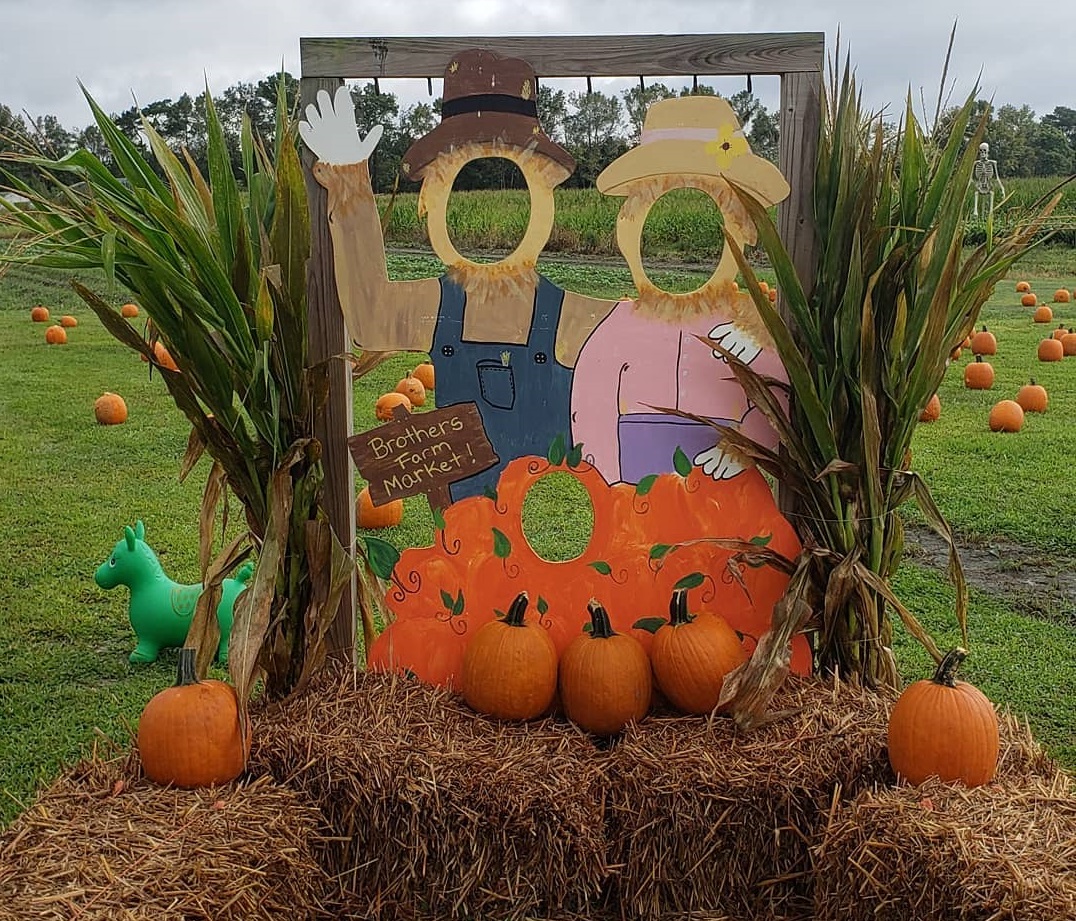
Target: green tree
x: 552, y: 110
x: 1052, y: 154
x: 1011, y: 136
x: 593, y: 134
x: 376, y: 108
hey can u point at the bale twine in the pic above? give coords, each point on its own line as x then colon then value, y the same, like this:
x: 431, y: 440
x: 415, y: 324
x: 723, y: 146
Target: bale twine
x: 104, y: 844
x: 435, y: 812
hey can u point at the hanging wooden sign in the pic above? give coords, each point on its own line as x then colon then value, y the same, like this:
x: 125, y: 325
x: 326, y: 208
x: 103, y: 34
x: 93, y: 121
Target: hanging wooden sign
x: 422, y: 453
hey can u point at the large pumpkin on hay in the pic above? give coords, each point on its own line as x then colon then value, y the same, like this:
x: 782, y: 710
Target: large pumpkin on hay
x: 481, y: 556
x: 945, y: 728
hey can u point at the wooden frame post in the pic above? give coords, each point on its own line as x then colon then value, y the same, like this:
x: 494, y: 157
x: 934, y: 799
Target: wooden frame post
x: 796, y: 57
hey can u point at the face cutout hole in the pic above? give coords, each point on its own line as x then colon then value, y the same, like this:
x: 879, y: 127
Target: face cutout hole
x: 489, y: 209
x: 684, y: 225
x: 558, y: 517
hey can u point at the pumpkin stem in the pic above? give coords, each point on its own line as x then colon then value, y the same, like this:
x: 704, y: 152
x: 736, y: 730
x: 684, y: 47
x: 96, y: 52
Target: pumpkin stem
x: 514, y: 617
x: 600, y: 627
x: 185, y: 671
x: 678, y: 614
x: 978, y: 359
x: 946, y: 671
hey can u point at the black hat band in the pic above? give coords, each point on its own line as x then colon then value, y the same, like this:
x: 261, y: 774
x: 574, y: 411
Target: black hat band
x: 489, y: 102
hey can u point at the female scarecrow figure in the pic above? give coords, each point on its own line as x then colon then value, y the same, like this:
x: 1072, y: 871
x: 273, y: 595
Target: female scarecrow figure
x: 646, y: 353
x: 498, y: 334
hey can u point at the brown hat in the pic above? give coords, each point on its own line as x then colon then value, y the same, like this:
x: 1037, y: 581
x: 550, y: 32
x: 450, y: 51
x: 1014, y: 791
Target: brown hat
x: 486, y: 98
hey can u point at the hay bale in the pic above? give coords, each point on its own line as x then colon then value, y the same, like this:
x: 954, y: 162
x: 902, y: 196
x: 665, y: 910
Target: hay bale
x: 434, y: 811
x: 706, y: 819
x: 104, y: 843
x: 940, y: 851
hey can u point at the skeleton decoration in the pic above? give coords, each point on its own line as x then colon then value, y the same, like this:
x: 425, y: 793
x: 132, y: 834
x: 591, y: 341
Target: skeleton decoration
x: 985, y: 175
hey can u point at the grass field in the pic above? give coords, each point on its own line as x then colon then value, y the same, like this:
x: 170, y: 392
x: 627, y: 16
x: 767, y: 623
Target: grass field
x: 70, y: 486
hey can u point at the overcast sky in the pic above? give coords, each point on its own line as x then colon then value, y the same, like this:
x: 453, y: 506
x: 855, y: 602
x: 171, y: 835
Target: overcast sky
x: 162, y: 48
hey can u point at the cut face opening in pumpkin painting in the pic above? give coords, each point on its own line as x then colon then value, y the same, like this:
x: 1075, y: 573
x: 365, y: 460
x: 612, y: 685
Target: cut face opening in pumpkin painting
x: 562, y: 386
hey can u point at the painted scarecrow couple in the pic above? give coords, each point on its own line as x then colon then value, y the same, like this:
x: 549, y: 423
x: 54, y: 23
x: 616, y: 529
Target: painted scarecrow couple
x: 537, y: 360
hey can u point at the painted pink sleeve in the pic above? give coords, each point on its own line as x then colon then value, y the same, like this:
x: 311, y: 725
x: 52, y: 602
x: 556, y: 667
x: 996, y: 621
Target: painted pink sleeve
x: 595, y: 413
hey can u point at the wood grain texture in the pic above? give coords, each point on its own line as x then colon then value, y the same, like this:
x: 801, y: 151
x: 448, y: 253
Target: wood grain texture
x: 571, y: 55
x: 326, y: 337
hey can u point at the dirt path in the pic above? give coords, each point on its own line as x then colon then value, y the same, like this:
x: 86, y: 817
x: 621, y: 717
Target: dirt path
x: 1035, y: 582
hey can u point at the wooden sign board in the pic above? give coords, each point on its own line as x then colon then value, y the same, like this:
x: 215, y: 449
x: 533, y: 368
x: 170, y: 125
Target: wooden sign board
x: 422, y: 453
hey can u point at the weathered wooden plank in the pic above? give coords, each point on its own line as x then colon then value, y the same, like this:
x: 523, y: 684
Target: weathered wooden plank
x: 572, y: 55
x: 327, y: 336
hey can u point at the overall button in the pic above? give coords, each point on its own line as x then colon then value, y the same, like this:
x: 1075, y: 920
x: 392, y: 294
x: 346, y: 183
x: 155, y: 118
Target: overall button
x: 540, y: 358
x: 448, y: 351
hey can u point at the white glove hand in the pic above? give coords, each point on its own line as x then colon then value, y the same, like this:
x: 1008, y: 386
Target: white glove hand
x: 737, y: 341
x: 331, y: 133
x: 718, y: 463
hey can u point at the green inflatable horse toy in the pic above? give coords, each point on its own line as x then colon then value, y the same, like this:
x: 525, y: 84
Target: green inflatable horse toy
x: 160, y: 609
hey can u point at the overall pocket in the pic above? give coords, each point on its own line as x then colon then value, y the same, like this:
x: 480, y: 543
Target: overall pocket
x: 497, y: 383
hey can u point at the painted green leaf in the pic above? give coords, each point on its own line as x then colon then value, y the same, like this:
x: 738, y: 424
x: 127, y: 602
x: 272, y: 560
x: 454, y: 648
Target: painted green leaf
x: 761, y: 541
x: 447, y: 600
x: 659, y: 550
x: 650, y: 624
x: 691, y: 580
x: 557, y: 450
x: 602, y: 567
x: 575, y: 455
x: 646, y: 483
x: 438, y: 519
x: 502, y: 546
x: 457, y: 605
x: 490, y: 493
x: 382, y: 555
x: 588, y: 627
x: 542, y: 606
x: 681, y: 462
x: 498, y: 613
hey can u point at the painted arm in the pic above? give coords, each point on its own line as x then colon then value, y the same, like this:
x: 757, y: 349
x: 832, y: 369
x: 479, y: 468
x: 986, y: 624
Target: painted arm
x: 595, y: 410
x: 579, y: 317
x: 380, y: 314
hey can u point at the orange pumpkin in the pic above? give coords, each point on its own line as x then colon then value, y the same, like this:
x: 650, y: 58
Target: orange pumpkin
x: 1062, y: 296
x: 188, y: 734
x: 1032, y: 398
x: 412, y: 388
x: 1043, y: 315
x: 39, y: 314
x: 944, y: 728
x: 692, y: 654
x: 424, y: 372
x: 1006, y: 416
x: 163, y: 356
x: 1060, y: 332
x: 388, y: 402
x: 967, y: 342
x: 932, y: 411
x: 1051, y: 350
x: 955, y: 353
x: 773, y: 295
x: 1022, y: 287
x: 368, y: 515
x: 510, y: 667
x: 67, y: 321
x: 979, y: 374
x: 605, y: 679
x: 1028, y: 300
x: 56, y: 335
x: 129, y: 310
x: 1068, y: 343
x: 109, y: 409
x: 984, y: 343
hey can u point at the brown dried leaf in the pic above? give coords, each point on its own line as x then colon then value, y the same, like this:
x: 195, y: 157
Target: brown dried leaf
x: 207, y: 515
x: 204, y: 633
x: 195, y: 449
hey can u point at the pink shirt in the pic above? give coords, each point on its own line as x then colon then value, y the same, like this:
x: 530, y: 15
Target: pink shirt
x: 632, y: 360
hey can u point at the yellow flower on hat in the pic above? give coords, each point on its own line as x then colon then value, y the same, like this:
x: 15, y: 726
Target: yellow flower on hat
x: 728, y: 145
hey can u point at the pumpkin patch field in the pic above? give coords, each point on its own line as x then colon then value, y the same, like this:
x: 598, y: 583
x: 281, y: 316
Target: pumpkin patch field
x: 71, y: 484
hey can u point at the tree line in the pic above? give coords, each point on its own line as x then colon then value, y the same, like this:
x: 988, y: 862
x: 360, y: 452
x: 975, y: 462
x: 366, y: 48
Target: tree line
x: 595, y: 127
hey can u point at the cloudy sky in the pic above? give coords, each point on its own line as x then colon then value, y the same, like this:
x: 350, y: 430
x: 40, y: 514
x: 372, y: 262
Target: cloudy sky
x: 160, y: 49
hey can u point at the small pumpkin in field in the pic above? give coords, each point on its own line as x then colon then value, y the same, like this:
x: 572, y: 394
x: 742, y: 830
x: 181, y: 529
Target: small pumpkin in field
x: 39, y: 314
x: 1068, y: 343
x: 979, y: 374
x: 110, y: 409
x: 412, y: 388
x: 984, y: 343
x: 1043, y: 314
x: 188, y: 734
x: 1051, y: 350
x: 1028, y: 300
x: 945, y: 728
x: 129, y: 311
x: 1032, y: 397
x: 955, y: 353
x: 692, y: 654
x: 56, y: 335
x: 164, y: 357
x: 932, y: 411
x: 368, y: 515
x: 68, y: 322
x: 967, y: 342
x: 1006, y: 416
x: 424, y: 372
x: 1022, y: 287
x: 387, y: 402
x: 1060, y: 332
x: 1062, y: 296
x: 605, y: 677
x: 510, y: 667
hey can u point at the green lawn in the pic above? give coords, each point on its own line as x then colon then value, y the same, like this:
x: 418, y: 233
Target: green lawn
x: 70, y: 485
